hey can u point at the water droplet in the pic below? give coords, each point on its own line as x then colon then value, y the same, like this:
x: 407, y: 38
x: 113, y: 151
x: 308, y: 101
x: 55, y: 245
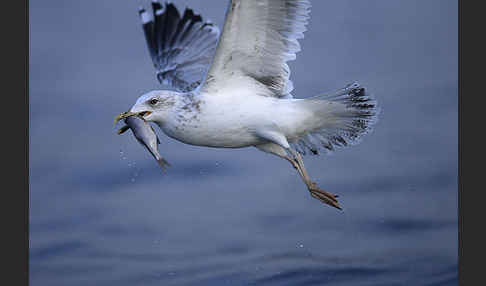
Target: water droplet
x: 122, y: 155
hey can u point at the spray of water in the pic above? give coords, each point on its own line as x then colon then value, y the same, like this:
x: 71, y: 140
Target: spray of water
x: 134, y: 170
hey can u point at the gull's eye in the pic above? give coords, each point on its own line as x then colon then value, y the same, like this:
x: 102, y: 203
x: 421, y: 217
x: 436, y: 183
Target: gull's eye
x: 153, y: 101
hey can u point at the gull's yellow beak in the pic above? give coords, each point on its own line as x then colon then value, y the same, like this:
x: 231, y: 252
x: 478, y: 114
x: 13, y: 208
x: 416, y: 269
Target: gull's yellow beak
x: 128, y: 114
x: 123, y: 115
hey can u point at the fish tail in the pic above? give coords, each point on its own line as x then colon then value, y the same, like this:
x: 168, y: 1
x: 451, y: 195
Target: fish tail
x: 163, y: 163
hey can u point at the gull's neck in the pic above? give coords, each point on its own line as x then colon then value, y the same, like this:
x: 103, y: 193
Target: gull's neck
x: 187, y: 102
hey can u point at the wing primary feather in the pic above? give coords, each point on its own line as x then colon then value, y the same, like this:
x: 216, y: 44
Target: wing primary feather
x: 179, y: 28
x: 158, y: 13
x: 170, y: 24
x: 148, y: 29
x: 181, y: 46
x: 156, y: 6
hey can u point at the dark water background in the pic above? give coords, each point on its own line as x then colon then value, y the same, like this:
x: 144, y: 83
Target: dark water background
x: 102, y: 213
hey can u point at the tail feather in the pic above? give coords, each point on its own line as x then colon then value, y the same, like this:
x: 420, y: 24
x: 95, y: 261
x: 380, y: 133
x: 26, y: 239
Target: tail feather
x: 347, y: 115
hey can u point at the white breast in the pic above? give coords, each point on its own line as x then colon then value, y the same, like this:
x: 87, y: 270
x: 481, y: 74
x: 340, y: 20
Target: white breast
x: 231, y: 120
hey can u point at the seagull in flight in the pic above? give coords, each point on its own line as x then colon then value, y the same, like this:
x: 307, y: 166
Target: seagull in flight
x: 232, y: 89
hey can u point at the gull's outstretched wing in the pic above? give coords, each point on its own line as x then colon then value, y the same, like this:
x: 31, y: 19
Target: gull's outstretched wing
x: 258, y: 39
x: 182, y: 47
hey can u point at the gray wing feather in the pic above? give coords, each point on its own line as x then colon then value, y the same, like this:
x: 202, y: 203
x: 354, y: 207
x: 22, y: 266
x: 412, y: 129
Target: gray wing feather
x: 181, y: 47
x: 259, y: 38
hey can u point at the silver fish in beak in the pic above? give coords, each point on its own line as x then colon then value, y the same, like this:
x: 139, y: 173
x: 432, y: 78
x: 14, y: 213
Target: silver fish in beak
x: 145, y: 135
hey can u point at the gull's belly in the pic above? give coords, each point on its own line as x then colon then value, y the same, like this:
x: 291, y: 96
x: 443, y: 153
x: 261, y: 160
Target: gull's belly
x: 233, y: 122
x: 223, y: 128
x: 212, y: 133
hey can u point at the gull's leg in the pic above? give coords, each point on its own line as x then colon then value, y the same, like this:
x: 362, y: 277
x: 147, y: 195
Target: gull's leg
x: 295, y: 165
x: 316, y: 192
x: 296, y: 160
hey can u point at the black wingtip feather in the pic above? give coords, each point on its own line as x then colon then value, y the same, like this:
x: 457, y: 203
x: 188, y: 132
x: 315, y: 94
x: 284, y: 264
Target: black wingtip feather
x: 169, y: 32
x: 171, y: 9
x: 170, y: 24
x: 156, y: 6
